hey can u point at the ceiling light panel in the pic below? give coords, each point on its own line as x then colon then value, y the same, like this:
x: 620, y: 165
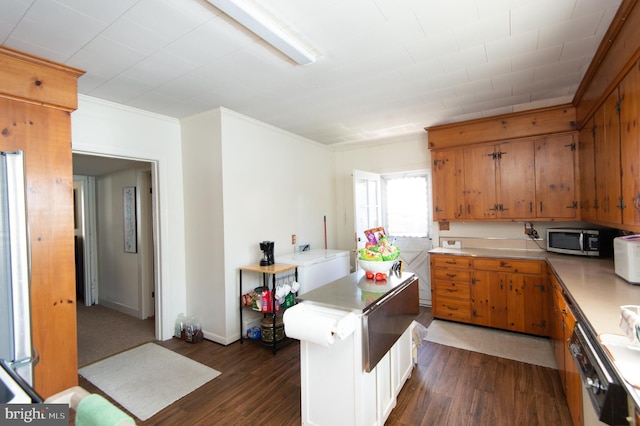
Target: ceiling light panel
x: 264, y: 26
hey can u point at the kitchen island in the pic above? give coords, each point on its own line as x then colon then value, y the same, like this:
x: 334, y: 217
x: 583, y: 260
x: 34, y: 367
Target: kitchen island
x: 355, y: 347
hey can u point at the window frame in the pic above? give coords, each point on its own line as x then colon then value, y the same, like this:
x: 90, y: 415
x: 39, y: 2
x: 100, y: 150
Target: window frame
x: 384, y: 177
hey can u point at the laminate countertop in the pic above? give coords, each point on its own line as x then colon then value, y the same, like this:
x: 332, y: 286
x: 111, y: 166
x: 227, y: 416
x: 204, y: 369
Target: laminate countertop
x: 594, y: 289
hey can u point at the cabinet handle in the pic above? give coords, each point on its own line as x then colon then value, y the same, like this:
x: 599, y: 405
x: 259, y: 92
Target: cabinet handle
x: 621, y: 205
x: 452, y: 275
x: 452, y: 308
x: 540, y: 206
x: 452, y: 290
x: 451, y: 262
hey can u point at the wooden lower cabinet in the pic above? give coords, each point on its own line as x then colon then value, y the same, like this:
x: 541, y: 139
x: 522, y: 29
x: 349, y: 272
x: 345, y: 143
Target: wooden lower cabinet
x: 562, y: 325
x: 450, y: 287
x: 509, y: 294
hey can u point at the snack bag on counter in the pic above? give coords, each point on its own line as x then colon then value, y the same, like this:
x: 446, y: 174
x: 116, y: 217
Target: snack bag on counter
x: 374, y: 235
x: 389, y: 252
x: 378, y: 247
x: 366, y: 254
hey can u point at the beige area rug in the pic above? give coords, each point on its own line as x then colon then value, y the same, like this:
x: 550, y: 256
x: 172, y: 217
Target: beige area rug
x: 146, y: 379
x: 103, y: 332
x: 503, y: 344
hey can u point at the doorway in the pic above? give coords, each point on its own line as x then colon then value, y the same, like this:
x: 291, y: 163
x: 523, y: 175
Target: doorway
x: 98, y: 194
x: 400, y: 203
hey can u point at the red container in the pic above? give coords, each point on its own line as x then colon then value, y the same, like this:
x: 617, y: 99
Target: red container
x: 266, y: 301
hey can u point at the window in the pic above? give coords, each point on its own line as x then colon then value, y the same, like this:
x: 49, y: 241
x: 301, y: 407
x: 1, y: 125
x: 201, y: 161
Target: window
x: 407, y: 204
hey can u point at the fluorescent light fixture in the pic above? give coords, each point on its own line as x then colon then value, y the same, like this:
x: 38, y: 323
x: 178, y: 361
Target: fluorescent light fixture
x: 263, y: 27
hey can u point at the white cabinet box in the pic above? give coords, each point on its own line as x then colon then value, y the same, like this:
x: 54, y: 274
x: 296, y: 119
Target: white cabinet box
x: 317, y: 267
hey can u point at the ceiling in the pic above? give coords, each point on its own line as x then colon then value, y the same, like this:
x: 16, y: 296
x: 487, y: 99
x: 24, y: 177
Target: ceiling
x: 93, y: 165
x: 384, y: 69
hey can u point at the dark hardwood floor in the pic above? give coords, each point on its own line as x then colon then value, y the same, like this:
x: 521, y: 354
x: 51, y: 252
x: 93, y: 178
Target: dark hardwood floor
x: 448, y: 387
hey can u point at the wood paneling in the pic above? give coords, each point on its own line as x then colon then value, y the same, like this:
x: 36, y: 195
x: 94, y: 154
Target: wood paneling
x: 618, y: 51
x: 44, y: 134
x: 34, y: 80
x: 630, y: 146
x: 586, y: 152
x: 503, y: 127
x: 35, y: 118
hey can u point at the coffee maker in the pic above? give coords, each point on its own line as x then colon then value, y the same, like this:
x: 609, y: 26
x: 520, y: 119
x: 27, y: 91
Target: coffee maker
x: 267, y: 253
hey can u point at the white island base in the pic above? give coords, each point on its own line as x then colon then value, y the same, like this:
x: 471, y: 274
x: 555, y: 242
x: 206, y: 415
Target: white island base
x: 335, y: 388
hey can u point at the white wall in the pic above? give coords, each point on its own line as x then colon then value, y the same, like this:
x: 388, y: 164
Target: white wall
x: 105, y: 128
x: 118, y: 271
x: 246, y: 181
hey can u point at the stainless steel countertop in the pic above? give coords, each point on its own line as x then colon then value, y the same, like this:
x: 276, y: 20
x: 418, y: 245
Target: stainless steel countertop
x: 593, y: 286
x: 354, y: 292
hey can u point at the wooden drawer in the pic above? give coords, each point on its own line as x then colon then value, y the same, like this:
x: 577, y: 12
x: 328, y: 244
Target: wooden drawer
x: 458, y: 275
x: 449, y: 289
x: 453, y: 309
x: 514, y: 266
x: 445, y: 261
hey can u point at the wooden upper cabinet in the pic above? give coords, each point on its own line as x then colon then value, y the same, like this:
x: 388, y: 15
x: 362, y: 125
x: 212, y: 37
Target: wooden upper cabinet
x: 586, y: 152
x: 522, y: 179
x: 517, y: 188
x: 555, y: 177
x: 499, y: 180
x: 607, y: 152
x: 629, y: 149
x: 480, y: 200
x: 447, y: 184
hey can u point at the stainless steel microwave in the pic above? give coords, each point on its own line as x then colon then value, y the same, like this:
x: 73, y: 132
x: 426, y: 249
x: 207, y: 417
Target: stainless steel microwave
x: 582, y: 242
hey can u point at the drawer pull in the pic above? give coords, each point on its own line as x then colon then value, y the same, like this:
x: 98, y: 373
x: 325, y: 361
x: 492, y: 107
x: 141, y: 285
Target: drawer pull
x: 452, y: 275
x: 452, y: 308
x: 451, y: 262
x: 452, y: 290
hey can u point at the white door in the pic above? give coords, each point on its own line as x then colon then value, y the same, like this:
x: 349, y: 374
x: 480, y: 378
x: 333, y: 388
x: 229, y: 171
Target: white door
x: 414, y: 246
x: 84, y: 188
x: 367, y: 205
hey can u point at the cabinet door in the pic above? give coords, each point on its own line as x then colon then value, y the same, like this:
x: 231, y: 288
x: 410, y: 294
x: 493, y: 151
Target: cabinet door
x: 385, y: 397
x: 527, y: 304
x: 536, y: 306
x: 629, y: 152
x: 555, y: 177
x: 488, y: 299
x: 517, y: 188
x: 607, y: 148
x: 447, y: 184
x: 574, y: 382
x: 556, y: 332
x: 480, y: 183
x: 586, y: 153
